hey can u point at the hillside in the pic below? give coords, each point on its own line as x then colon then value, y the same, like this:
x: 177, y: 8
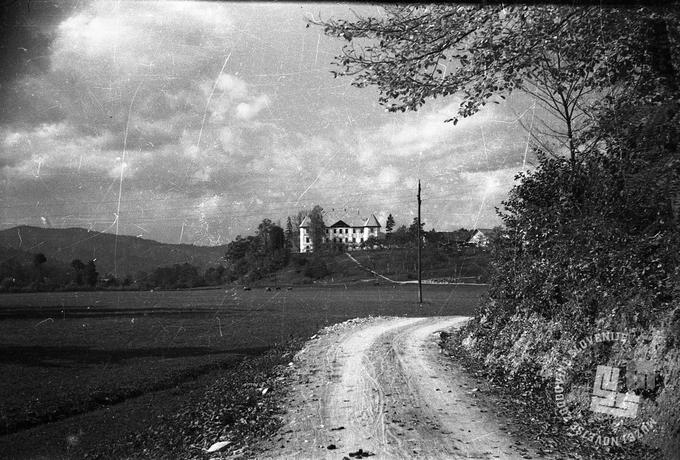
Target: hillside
x: 400, y: 264
x: 124, y: 254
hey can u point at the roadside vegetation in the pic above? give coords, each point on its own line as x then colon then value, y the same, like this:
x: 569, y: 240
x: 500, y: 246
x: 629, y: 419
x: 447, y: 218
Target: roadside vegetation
x: 590, y: 241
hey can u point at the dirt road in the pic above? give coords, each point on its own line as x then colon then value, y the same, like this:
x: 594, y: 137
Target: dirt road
x: 382, y: 386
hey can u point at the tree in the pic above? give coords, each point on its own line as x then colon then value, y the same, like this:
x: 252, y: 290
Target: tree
x: 389, y: 226
x: 563, y: 57
x: 215, y: 275
x: 178, y: 276
x: 413, y: 229
x: 38, y: 262
x: 39, y: 259
x: 77, y: 264
x: 79, y: 268
x: 91, y: 276
x: 239, y: 248
x: 270, y: 241
x: 256, y: 256
x: 290, y: 243
x: 401, y: 237
x: 433, y: 238
x: 13, y: 273
x: 274, y: 253
x: 264, y: 237
x: 317, y: 228
x: 372, y: 242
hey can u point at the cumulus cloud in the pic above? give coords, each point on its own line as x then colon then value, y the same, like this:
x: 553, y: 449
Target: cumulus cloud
x: 233, y: 86
x: 248, y: 110
x: 140, y: 80
x: 208, y: 117
x: 148, y: 37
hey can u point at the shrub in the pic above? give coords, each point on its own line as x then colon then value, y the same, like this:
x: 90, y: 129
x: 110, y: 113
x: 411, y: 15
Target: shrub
x: 588, y: 247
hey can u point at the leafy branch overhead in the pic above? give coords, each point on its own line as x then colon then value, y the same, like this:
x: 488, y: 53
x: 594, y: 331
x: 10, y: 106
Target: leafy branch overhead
x: 413, y: 53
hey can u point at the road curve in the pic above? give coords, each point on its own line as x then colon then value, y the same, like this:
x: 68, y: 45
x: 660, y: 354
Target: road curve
x: 382, y: 386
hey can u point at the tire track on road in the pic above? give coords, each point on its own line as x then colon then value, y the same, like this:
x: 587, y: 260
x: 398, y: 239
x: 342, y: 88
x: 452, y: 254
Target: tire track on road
x: 381, y: 385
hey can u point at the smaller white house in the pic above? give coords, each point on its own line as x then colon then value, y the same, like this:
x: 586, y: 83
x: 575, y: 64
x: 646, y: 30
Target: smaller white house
x: 481, y: 237
x: 347, y: 231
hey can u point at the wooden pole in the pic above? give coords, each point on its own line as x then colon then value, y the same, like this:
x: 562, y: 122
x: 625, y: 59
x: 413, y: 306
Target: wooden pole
x: 420, y: 273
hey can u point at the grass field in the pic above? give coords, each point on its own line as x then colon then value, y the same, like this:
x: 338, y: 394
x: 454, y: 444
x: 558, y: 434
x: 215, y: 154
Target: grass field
x: 470, y: 264
x: 399, y: 264
x: 67, y: 353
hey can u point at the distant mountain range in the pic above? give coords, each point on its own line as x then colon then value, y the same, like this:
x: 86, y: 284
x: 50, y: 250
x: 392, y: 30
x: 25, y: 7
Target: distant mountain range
x: 112, y: 254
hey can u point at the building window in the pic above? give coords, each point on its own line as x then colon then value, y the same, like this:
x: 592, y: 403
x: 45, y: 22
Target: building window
x: 308, y: 239
x: 354, y: 240
x: 346, y: 240
x: 335, y: 230
x: 346, y: 230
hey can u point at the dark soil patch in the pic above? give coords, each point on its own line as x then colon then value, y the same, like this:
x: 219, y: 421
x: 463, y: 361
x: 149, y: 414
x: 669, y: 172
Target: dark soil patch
x: 180, y: 422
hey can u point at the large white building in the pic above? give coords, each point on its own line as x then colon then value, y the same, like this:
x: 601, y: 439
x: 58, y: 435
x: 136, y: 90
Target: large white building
x: 349, y: 232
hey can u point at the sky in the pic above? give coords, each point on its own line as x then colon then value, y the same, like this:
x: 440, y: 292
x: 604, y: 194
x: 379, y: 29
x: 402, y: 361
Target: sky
x: 190, y: 122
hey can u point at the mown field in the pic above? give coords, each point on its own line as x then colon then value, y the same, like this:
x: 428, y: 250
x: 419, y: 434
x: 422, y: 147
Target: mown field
x: 69, y: 353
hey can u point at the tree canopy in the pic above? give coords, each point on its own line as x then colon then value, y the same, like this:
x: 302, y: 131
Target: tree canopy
x: 389, y: 225
x: 317, y: 228
x: 568, y: 59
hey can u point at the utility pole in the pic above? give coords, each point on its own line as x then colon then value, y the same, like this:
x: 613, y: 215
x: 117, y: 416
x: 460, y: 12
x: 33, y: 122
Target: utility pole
x: 420, y: 273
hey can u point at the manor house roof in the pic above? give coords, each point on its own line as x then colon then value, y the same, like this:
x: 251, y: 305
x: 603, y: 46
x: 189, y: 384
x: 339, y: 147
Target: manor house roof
x: 345, y: 221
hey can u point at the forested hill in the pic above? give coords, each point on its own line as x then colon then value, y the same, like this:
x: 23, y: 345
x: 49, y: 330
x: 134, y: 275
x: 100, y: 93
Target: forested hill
x: 124, y: 254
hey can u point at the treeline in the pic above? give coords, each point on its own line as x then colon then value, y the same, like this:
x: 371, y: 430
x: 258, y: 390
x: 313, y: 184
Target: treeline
x: 41, y: 274
x: 253, y: 257
x: 34, y: 272
x: 24, y: 272
x: 246, y: 260
x: 406, y: 237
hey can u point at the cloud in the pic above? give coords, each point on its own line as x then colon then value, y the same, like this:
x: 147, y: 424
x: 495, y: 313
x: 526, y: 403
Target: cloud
x: 233, y: 86
x: 203, y: 118
x: 51, y: 148
x: 140, y: 81
x: 248, y: 110
x: 147, y: 37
